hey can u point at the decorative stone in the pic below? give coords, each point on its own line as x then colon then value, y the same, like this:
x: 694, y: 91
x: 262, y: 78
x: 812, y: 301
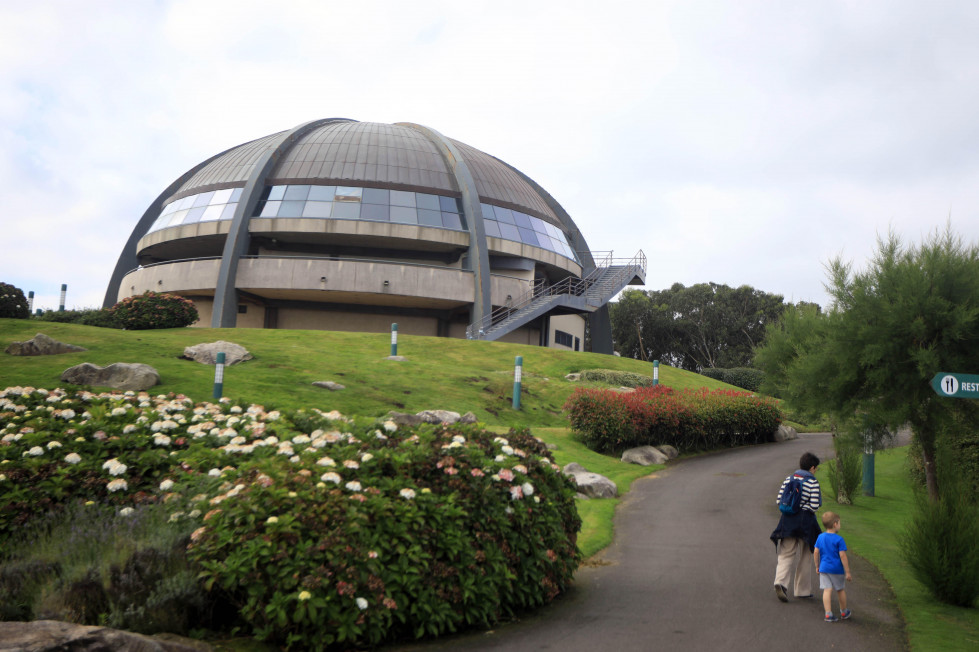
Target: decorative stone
x: 119, y: 375
x: 595, y: 485
x: 669, y: 451
x: 439, y: 416
x: 645, y: 456
x: 329, y: 384
x: 468, y: 418
x: 208, y: 353
x: 573, y: 377
x: 41, y: 344
x: 785, y: 433
x: 54, y: 636
x: 402, y: 418
x: 572, y: 468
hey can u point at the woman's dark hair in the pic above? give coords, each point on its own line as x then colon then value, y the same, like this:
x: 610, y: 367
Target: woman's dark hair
x: 807, y: 461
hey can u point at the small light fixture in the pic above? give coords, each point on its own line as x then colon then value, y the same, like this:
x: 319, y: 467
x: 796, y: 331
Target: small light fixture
x: 322, y: 279
x: 387, y: 283
x: 160, y: 282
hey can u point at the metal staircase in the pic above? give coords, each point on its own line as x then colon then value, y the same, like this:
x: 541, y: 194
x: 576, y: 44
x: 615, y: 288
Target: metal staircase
x: 587, y: 294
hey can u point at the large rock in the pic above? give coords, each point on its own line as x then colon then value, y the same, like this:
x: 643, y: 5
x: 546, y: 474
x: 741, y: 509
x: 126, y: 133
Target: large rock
x: 329, y: 384
x: 403, y: 418
x: 645, y: 456
x: 785, y: 433
x: 669, y: 451
x: 120, y: 375
x: 208, y: 353
x: 439, y: 416
x: 592, y: 485
x: 41, y: 344
x: 56, y: 636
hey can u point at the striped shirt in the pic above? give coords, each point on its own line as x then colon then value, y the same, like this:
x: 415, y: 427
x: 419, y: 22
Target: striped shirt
x: 811, y: 496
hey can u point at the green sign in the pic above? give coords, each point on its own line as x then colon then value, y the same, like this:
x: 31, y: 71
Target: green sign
x: 956, y: 385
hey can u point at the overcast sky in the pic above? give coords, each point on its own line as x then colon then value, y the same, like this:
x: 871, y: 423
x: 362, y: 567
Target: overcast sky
x: 736, y: 142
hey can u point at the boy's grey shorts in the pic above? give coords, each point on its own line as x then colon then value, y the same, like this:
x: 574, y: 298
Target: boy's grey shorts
x: 832, y: 581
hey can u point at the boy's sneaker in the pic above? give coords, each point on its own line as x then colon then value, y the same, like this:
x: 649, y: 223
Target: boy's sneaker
x: 845, y: 614
x: 831, y: 617
x: 780, y: 592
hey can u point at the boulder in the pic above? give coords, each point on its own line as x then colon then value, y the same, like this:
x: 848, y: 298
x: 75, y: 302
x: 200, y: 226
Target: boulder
x: 785, y: 433
x: 41, y: 344
x: 645, y: 456
x: 403, y: 418
x: 573, y: 377
x: 119, y: 375
x: 572, y: 468
x: 594, y: 485
x: 468, y: 417
x: 669, y: 451
x: 439, y: 416
x: 208, y: 353
x: 57, y: 636
x: 329, y: 384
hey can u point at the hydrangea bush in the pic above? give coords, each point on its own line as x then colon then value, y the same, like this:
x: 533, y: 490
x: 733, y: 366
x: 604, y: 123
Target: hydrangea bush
x: 153, y: 310
x: 12, y: 302
x: 319, y: 529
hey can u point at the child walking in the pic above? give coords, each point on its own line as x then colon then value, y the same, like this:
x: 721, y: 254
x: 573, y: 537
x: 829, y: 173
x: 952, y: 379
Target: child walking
x: 834, y: 568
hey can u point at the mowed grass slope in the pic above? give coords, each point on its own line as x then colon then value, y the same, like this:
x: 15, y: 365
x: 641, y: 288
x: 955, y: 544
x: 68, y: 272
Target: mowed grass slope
x: 439, y: 373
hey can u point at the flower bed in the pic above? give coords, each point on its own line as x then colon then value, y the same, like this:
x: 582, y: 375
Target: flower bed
x: 319, y: 529
x: 611, y: 421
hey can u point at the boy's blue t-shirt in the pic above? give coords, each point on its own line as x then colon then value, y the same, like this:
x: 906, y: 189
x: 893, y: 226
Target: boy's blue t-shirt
x: 830, y: 544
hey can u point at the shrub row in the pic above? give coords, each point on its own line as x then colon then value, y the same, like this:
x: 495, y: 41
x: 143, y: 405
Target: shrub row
x: 743, y: 377
x: 145, y: 311
x: 318, y: 530
x: 610, y: 421
x: 619, y: 378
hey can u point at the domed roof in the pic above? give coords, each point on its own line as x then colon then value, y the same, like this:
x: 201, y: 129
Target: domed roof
x: 371, y: 154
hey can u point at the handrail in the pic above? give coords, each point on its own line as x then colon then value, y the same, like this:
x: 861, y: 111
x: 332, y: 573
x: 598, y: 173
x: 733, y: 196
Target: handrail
x: 569, y: 286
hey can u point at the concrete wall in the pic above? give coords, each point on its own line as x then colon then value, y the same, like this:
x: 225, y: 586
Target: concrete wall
x: 573, y: 324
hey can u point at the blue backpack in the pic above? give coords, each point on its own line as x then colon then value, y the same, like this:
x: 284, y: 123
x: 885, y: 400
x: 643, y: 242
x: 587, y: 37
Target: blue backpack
x: 791, y: 497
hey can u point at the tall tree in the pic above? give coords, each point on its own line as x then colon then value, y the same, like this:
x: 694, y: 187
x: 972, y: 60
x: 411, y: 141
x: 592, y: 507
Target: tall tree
x: 704, y: 325
x: 913, y: 313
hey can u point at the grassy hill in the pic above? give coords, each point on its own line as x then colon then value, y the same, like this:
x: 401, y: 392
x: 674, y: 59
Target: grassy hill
x: 439, y: 373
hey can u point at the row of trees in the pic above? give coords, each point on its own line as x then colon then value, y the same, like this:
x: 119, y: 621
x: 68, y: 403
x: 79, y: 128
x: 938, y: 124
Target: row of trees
x: 694, y: 328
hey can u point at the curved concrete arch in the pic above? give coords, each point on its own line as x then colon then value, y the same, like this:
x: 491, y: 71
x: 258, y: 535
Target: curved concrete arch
x: 478, y: 259
x: 225, y: 312
x: 128, y: 259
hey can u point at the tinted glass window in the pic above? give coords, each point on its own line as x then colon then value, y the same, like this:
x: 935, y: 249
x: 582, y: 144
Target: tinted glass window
x: 229, y: 211
x: 452, y: 221
x: 276, y: 192
x: 429, y: 202
x: 291, y: 209
x: 429, y: 217
x: 376, y: 196
x: 322, y: 193
x: 402, y: 198
x: 488, y: 212
x: 529, y: 236
x: 203, y: 199
x: 522, y: 220
x: 212, y: 213
x: 375, y: 212
x: 492, y: 228
x: 317, y: 209
x: 347, y: 193
x: 404, y: 214
x: 449, y: 204
x: 296, y: 193
x: 509, y: 232
x: 270, y: 209
x: 221, y: 196
x: 504, y: 215
x: 346, y: 210
x: 236, y: 194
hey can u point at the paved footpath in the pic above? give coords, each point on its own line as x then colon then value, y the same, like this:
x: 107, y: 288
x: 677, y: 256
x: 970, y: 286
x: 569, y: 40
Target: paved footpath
x: 691, y: 568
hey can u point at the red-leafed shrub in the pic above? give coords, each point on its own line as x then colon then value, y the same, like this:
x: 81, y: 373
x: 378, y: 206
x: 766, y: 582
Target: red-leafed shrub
x: 611, y: 421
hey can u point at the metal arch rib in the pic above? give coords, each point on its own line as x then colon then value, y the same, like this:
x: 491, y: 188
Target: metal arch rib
x: 478, y: 259
x: 225, y: 311
x: 128, y: 259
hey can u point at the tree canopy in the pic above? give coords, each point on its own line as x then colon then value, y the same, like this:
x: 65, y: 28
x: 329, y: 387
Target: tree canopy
x: 704, y: 325
x: 914, y: 312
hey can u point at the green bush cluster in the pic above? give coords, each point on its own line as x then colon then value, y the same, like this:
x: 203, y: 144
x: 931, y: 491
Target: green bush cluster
x: 153, y: 310
x: 609, y: 421
x: 617, y: 378
x: 743, y: 377
x: 87, y: 317
x: 13, y: 304
x: 316, y: 529
x: 846, y: 470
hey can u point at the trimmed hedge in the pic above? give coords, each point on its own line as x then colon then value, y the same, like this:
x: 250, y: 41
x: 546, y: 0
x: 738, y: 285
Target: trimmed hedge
x: 618, y: 378
x: 609, y: 421
x: 743, y: 377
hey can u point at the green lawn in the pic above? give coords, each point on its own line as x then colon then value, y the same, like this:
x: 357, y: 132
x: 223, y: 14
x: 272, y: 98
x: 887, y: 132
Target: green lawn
x: 872, y: 528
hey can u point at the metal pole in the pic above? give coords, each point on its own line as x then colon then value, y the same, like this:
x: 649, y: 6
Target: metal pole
x: 219, y: 375
x: 30, y: 301
x: 394, y: 340
x: 64, y: 291
x: 517, y: 373
x: 868, y: 468
x: 655, y: 372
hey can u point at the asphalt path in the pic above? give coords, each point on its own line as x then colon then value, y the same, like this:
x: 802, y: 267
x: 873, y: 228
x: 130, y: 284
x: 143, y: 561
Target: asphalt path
x: 691, y: 568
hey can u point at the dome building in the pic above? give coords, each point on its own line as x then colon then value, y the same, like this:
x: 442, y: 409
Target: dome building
x: 345, y: 225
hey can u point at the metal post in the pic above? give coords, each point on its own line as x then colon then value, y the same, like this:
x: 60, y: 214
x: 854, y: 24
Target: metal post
x: 219, y: 375
x: 394, y: 340
x: 30, y: 301
x: 64, y: 291
x: 655, y: 372
x: 517, y: 373
x: 868, y: 468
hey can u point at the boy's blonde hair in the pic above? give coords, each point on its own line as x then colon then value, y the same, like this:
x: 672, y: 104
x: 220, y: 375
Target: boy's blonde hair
x: 830, y: 519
